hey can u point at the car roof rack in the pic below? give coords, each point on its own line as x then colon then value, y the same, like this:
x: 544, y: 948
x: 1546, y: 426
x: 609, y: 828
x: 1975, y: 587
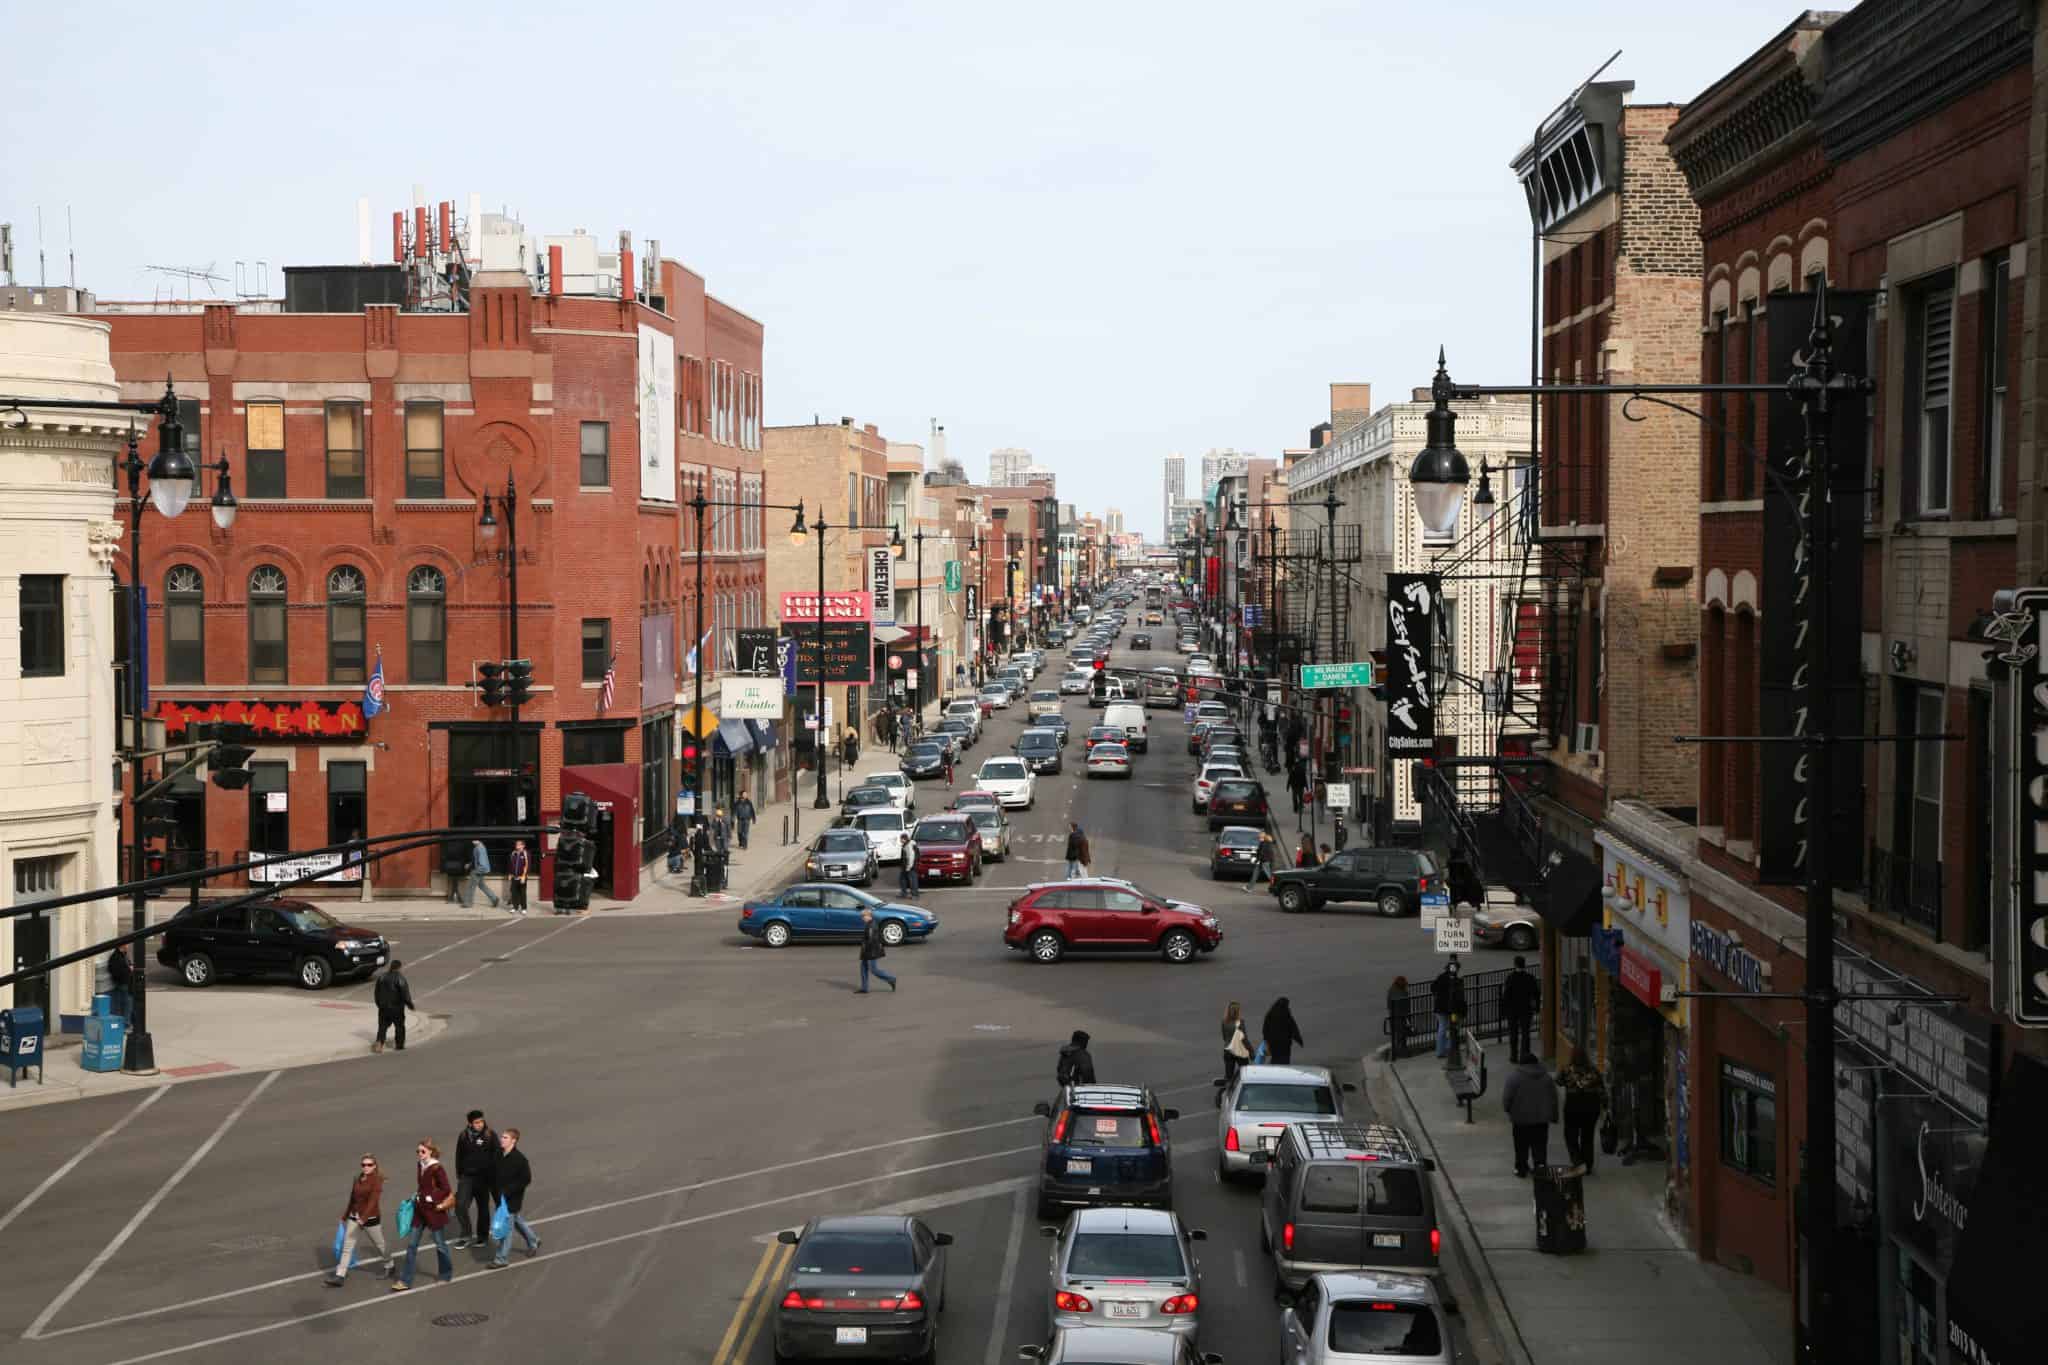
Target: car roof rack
x: 1106, y: 1096
x: 1373, y: 1141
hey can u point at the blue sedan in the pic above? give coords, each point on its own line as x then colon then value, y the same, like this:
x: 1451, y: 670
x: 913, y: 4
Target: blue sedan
x: 824, y: 911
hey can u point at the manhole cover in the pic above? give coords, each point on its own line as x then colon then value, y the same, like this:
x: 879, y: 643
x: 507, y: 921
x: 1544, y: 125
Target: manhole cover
x: 461, y: 1319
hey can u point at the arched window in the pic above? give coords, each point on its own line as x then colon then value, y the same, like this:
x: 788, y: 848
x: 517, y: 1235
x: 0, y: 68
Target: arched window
x: 184, y: 625
x: 426, y: 625
x: 347, y: 629
x: 267, y: 653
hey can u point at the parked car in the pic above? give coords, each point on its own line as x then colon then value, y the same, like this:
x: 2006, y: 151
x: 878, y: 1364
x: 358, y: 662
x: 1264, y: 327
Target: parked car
x: 975, y: 800
x: 926, y: 758
x: 1109, y: 759
x: 1094, y: 915
x: 1075, y: 683
x: 1040, y: 750
x: 1348, y: 1196
x: 1211, y: 710
x: 1350, y: 1316
x: 967, y: 709
x: 1206, y: 780
x: 994, y: 828
x: 1391, y: 880
x: 884, y: 830
x: 1255, y: 1106
x: 843, y: 854
x: 862, y: 798
x: 1237, y: 801
x: 817, y: 910
x: 1200, y: 728
x: 954, y: 734
x: 1222, y: 735
x: 1124, y: 1267
x: 948, y: 849
x: 895, y: 782
x: 286, y: 937
x: 1506, y: 924
x: 870, y: 1285
x: 995, y: 697
x: 1009, y: 779
x: 1104, y: 1144
x: 1234, y: 852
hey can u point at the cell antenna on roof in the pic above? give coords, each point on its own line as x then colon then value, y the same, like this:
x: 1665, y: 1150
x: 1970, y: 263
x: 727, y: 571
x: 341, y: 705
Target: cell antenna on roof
x: 71, y: 245
x: 42, y: 262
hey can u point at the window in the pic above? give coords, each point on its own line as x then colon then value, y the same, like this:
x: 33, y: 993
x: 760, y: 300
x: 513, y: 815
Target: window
x: 347, y: 629
x: 1873, y: 462
x: 263, y: 468
x: 1930, y: 356
x: 1749, y: 1123
x: 1447, y: 623
x: 267, y: 625
x: 594, y: 469
x: 1745, y: 431
x: 581, y: 747
x: 1329, y: 1189
x: 1717, y: 428
x: 42, y: 625
x: 348, y: 801
x: 1928, y: 720
x: 853, y: 499
x: 270, y: 824
x: 426, y: 625
x: 597, y: 648
x: 1381, y: 1327
x: 345, y: 451
x: 657, y: 736
x: 184, y: 625
x: 1997, y: 307
x: 424, y: 462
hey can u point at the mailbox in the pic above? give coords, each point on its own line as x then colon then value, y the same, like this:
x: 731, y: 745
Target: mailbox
x: 21, y: 1042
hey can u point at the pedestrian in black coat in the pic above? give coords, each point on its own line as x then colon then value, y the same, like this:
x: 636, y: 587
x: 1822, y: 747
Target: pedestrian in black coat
x: 1447, y: 998
x: 1076, y: 1066
x: 514, y: 1175
x: 476, y: 1178
x: 872, y: 951
x: 1279, y: 1033
x: 393, y: 994
x: 1519, y: 995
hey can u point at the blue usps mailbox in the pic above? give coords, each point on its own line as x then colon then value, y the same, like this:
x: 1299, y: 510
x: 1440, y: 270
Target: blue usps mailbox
x: 106, y: 1042
x: 21, y: 1042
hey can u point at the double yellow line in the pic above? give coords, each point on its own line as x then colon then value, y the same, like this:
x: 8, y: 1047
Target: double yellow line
x: 754, y: 1306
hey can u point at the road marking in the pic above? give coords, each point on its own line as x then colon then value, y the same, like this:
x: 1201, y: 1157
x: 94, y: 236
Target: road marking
x: 429, y: 957
x: 506, y: 958
x: 723, y: 1355
x: 35, y: 1329
x: 53, y: 1177
x: 764, y: 1307
x: 1237, y: 1259
x: 999, y: 1329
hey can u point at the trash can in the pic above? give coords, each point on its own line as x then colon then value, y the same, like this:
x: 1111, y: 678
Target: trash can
x: 1560, y: 1209
x: 106, y: 1042
x: 21, y: 1042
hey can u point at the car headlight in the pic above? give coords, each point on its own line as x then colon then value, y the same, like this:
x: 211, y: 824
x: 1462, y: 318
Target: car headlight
x: 347, y: 945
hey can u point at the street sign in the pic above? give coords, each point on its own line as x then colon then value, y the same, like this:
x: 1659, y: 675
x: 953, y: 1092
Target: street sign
x: 1453, y: 935
x: 1337, y: 675
x: 953, y: 575
x: 1338, y: 796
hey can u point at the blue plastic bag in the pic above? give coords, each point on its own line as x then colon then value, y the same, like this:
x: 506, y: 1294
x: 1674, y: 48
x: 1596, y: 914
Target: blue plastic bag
x: 1259, y: 1057
x: 404, y: 1219
x: 341, y: 1236
x: 501, y: 1221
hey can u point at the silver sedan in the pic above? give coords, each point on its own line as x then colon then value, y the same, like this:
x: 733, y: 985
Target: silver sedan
x: 1257, y: 1105
x: 994, y: 828
x: 1124, y: 1267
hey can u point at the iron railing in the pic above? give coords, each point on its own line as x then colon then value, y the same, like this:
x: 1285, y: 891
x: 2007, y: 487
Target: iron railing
x: 1416, y: 1012
x: 1906, y: 890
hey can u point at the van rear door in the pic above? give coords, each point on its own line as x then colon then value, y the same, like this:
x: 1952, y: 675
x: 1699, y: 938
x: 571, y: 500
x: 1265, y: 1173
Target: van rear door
x: 1328, y: 1213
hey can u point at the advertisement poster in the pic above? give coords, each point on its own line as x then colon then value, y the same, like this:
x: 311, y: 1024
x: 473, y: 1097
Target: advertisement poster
x: 1413, y: 600
x: 657, y: 397
x: 657, y: 661
x: 882, y: 583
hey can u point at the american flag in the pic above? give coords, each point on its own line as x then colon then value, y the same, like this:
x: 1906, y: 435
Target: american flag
x: 610, y: 686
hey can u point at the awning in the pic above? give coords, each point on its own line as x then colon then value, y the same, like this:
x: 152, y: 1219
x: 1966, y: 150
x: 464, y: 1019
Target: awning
x: 1570, y: 898
x: 764, y: 734
x: 1996, y: 1311
x: 734, y: 737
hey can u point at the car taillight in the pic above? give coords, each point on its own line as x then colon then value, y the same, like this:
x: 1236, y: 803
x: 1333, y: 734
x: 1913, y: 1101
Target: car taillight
x: 911, y: 1302
x: 1230, y: 1141
x: 1383, y: 1308
x: 1287, y: 1237
x: 1153, y: 1123
x: 746, y: 912
x: 1424, y: 886
x: 1072, y: 1303
x: 1180, y: 1303
x: 1436, y: 1241
x: 795, y: 1300
x: 1059, y: 1127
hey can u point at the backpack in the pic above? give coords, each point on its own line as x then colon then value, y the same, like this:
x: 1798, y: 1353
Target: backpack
x: 1064, y: 1073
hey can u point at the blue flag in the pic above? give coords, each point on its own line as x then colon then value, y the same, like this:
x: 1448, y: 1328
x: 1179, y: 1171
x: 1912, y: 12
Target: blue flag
x: 373, y: 691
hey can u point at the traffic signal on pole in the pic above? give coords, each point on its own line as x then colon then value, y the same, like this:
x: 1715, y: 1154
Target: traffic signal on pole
x: 518, y: 681
x: 157, y: 816
x: 690, y: 752
x: 492, y: 682
x: 230, y: 757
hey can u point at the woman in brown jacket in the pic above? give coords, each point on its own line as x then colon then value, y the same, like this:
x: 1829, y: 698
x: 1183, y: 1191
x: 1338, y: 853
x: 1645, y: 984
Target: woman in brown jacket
x: 364, y: 1215
x: 429, y: 1216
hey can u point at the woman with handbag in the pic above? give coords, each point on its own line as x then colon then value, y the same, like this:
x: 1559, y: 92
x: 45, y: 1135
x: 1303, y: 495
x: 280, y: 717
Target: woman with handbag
x: 1237, y: 1049
x: 430, y: 1208
x: 1585, y: 1095
x: 365, y: 1216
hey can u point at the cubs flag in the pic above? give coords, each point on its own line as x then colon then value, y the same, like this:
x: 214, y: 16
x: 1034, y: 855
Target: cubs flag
x: 373, y: 691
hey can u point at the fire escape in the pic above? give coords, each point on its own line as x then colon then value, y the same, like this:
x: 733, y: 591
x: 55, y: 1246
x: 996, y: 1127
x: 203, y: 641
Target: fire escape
x: 1298, y: 591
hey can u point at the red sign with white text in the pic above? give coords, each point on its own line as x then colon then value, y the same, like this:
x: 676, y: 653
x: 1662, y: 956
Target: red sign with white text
x: 1642, y: 978
x: 839, y: 606
x: 281, y: 719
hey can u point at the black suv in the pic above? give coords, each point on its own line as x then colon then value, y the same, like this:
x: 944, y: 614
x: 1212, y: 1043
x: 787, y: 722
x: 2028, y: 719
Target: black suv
x: 1105, y: 1144
x: 281, y: 938
x: 1348, y: 1196
x: 1390, y: 879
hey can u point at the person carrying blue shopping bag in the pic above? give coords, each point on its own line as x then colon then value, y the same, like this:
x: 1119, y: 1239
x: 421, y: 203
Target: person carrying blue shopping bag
x: 364, y: 1217
x: 514, y: 1175
x: 430, y: 1208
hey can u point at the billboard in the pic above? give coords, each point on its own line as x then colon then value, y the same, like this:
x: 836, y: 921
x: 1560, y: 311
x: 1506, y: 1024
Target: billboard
x: 750, y: 698
x: 839, y: 606
x: 881, y: 576
x: 657, y: 661
x: 657, y: 400
x: 754, y: 652
x: 1413, y: 603
x: 848, y: 651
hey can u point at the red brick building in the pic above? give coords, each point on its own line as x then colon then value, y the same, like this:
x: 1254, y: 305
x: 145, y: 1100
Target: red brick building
x: 361, y: 434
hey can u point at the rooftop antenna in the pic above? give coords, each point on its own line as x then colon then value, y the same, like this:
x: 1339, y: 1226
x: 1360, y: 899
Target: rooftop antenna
x: 7, y: 251
x: 42, y: 263
x: 189, y: 273
x: 71, y: 244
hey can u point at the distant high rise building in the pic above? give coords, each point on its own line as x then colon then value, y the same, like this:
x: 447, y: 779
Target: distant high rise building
x: 1219, y: 464
x: 1176, y: 489
x: 1039, y: 474
x: 1113, y: 521
x: 1006, y: 467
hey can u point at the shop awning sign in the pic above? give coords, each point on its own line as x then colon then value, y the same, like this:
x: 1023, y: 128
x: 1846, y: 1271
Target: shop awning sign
x: 271, y: 719
x: 1642, y: 978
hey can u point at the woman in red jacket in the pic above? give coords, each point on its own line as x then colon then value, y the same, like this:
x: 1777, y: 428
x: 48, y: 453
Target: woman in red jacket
x: 429, y: 1216
x: 364, y: 1218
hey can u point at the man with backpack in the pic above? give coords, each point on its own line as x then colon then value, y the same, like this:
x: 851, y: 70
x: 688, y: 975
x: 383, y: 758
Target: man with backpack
x: 393, y: 994
x: 1076, y: 1066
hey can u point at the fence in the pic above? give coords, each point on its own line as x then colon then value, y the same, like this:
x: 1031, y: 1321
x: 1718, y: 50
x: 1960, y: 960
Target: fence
x: 1906, y: 890
x: 1416, y: 1011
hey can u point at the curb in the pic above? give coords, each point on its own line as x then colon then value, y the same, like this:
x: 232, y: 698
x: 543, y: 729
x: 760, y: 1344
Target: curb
x: 1496, y: 1337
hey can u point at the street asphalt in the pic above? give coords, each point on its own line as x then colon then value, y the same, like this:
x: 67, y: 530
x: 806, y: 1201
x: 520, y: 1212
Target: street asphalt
x: 683, y: 1094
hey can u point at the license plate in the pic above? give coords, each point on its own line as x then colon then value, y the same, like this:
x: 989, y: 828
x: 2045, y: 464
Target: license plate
x: 1386, y: 1239
x: 1126, y: 1310
x: 850, y: 1336
x: 1080, y: 1167
x: 1267, y: 1144
x: 380, y: 959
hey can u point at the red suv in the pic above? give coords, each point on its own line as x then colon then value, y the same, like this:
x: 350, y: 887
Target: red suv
x: 948, y: 848
x: 1052, y: 919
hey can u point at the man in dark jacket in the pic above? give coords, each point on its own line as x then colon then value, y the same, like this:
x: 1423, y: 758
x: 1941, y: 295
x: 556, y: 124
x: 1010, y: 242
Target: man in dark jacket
x: 393, y: 994
x: 700, y: 857
x: 1076, y: 1066
x: 1447, y: 998
x: 1530, y: 1100
x: 1077, y: 850
x: 121, y: 971
x: 514, y: 1175
x: 1519, y: 995
x: 476, y: 1178
x: 1280, y: 1033
x: 743, y: 817
x: 872, y: 951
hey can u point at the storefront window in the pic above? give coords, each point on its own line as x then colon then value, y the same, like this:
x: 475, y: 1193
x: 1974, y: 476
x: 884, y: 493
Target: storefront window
x: 581, y: 748
x: 1575, y: 989
x: 493, y: 780
x: 1749, y: 1122
x: 270, y: 825
x: 656, y: 808
x: 348, y: 801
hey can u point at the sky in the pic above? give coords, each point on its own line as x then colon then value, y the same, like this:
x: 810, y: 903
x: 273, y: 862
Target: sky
x: 1101, y: 232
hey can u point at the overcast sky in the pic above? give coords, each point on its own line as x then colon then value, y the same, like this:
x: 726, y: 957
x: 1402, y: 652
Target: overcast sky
x: 1102, y: 232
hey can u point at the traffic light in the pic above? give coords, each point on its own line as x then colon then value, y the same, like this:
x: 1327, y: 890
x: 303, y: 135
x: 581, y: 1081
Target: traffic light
x: 157, y: 817
x: 519, y: 681
x: 690, y: 753
x: 231, y: 754
x: 492, y: 682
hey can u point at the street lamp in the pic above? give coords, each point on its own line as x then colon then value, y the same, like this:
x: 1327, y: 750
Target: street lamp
x: 1440, y: 471
x: 487, y: 529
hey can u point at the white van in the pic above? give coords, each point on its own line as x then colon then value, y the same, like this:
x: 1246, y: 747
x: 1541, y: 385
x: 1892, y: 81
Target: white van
x: 1130, y: 718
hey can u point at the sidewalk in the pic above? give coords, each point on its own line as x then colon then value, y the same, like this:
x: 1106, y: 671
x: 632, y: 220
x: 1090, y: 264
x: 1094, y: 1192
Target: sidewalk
x: 1636, y: 1293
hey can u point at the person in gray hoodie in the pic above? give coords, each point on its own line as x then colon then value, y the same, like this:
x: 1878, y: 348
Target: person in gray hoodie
x: 1530, y: 1098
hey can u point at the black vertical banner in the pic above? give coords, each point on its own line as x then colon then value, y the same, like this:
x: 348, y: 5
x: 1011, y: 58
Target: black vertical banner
x: 1788, y: 824
x: 1414, y: 602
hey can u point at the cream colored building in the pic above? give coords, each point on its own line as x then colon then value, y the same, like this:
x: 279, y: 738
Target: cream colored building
x: 59, y: 534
